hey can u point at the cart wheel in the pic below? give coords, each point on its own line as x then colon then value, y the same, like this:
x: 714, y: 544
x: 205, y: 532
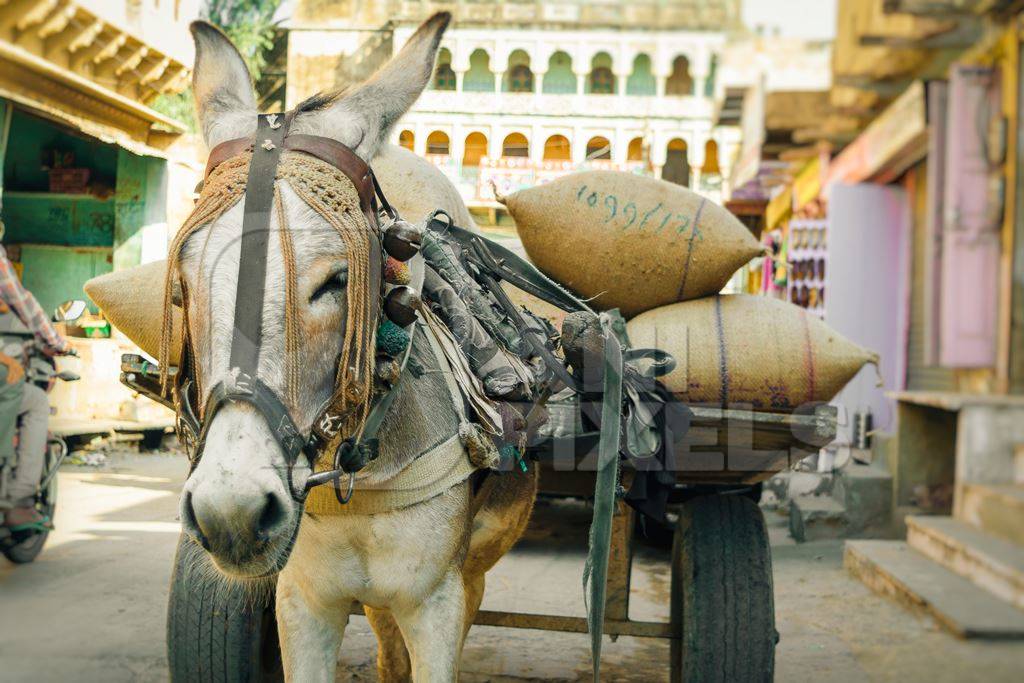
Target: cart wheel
x: 216, y: 630
x: 722, y: 593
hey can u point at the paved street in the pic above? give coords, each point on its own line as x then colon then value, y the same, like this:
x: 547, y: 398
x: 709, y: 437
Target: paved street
x: 92, y: 607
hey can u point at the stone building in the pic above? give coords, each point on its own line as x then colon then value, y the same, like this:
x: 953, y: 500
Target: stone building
x: 525, y: 91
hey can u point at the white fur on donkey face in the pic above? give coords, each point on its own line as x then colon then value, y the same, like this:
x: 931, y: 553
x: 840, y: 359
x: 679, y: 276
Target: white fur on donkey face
x: 237, y: 501
x: 242, y: 470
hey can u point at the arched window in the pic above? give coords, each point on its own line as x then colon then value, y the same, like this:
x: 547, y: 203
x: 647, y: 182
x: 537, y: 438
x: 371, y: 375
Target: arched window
x: 677, y: 166
x: 601, y: 80
x: 635, y: 152
x: 711, y: 158
x: 680, y: 82
x: 599, y: 148
x: 444, y: 77
x: 518, y: 78
x: 559, y: 80
x: 437, y: 143
x: 479, y: 77
x: 407, y: 139
x: 515, y: 145
x: 556, y: 148
x: 476, y: 148
x: 641, y: 81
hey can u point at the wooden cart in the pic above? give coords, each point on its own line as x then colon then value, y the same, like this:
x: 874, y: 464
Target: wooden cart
x: 722, y: 625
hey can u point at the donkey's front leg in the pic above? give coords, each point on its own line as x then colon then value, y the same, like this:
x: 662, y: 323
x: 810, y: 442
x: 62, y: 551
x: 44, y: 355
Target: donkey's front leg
x: 309, y: 640
x: 433, y: 630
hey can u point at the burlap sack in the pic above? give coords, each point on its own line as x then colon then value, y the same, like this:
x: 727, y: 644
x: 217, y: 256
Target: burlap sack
x: 132, y: 299
x: 631, y: 242
x: 417, y: 188
x: 741, y: 349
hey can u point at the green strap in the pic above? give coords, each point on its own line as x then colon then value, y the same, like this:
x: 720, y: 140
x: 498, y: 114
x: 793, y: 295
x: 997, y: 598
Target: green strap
x: 595, y: 571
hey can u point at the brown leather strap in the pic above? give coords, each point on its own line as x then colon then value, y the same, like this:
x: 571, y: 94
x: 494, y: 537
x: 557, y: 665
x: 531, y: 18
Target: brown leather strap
x: 342, y: 158
x: 330, y: 151
x: 224, y: 151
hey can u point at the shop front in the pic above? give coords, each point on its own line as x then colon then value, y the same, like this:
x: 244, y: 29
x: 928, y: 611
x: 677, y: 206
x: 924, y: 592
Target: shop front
x: 91, y: 175
x: 74, y: 206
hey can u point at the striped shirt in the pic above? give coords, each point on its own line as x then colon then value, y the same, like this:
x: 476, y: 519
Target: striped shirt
x: 26, y: 307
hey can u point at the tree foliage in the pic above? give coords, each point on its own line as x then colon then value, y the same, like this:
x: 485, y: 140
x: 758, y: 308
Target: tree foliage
x: 250, y: 26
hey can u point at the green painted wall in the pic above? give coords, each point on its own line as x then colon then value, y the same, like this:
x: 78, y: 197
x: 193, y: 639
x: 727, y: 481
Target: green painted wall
x: 56, y: 274
x: 140, y: 199
x: 61, y: 219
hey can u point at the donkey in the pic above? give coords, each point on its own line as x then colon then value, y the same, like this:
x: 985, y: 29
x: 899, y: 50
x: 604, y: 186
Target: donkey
x: 418, y: 571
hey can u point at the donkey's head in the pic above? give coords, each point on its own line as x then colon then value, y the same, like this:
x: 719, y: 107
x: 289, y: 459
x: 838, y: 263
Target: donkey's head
x: 239, y: 500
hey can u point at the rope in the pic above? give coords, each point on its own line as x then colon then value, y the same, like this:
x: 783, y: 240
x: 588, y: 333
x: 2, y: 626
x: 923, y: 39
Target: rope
x: 291, y: 335
x: 331, y: 194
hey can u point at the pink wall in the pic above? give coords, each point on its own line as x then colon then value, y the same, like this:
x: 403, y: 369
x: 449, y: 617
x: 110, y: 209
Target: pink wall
x: 867, y: 289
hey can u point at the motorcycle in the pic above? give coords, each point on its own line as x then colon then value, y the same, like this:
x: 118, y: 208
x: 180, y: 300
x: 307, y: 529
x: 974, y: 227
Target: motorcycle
x: 24, y: 546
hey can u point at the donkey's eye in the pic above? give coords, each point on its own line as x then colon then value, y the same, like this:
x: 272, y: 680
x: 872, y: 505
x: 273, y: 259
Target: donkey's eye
x: 334, y: 285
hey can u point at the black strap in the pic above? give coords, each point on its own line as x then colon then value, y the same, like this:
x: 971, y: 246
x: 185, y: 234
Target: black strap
x: 252, y: 265
x: 507, y: 264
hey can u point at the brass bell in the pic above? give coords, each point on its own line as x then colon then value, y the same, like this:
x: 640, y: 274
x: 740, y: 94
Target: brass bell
x: 401, y: 305
x: 402, y: 240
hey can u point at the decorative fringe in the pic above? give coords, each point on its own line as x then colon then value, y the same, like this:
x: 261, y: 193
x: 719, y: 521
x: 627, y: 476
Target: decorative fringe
x: 331, y: 194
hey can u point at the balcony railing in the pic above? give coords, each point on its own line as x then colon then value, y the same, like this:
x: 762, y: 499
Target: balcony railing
x: 680, y: 14
x: 531, y: 104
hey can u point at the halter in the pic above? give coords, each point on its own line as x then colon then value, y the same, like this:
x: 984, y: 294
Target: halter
x: 244, y: 384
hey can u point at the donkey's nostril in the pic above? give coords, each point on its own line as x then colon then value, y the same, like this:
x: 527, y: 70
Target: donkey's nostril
x: 190, y: 523
x: 273, y: 516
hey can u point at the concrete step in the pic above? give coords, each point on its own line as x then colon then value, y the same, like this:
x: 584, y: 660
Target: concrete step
x: 893, y: 569
x: 987, y: 561
x: 998, y: 510
x: 815, y: 518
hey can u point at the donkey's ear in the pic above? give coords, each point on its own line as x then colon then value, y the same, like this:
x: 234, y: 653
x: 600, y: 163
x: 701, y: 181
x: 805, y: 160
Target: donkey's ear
x: 222, y: 85
x: 363, y: 117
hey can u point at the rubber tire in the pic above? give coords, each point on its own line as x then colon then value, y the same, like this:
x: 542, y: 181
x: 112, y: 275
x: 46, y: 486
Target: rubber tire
x: 217, y: 631
x: 722, y: 595
x: 29, y: 549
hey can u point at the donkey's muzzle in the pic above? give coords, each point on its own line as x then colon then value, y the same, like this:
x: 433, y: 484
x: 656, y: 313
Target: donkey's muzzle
x: 239, y: 533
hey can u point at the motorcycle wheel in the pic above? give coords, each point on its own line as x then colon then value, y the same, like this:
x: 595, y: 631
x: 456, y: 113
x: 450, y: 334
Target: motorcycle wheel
x: 31, y: 543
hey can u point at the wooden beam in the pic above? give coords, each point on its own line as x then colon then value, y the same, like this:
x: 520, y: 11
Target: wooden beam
x: 89, y: 46
x: 56, y: 44
x: 35, y: 15
x: 168, y: 79
x: 57, y: 21
x: 133, y: 60
x: 930, y: 8
x: 108, y: 51
x: 12, y: 13
x: 155, y: 71
x: 963, y: 34
x: 86, y: 36
x: 883, y: 88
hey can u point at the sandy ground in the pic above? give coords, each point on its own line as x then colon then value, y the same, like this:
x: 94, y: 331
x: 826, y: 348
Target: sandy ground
x: 92, y: 606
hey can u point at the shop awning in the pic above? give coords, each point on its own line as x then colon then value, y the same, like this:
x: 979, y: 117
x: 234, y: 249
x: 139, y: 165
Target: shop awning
x: 66, y: 62
x: 893, y: 142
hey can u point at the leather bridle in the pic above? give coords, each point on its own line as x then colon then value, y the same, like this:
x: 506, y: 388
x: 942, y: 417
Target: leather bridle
x: 244, y: 384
